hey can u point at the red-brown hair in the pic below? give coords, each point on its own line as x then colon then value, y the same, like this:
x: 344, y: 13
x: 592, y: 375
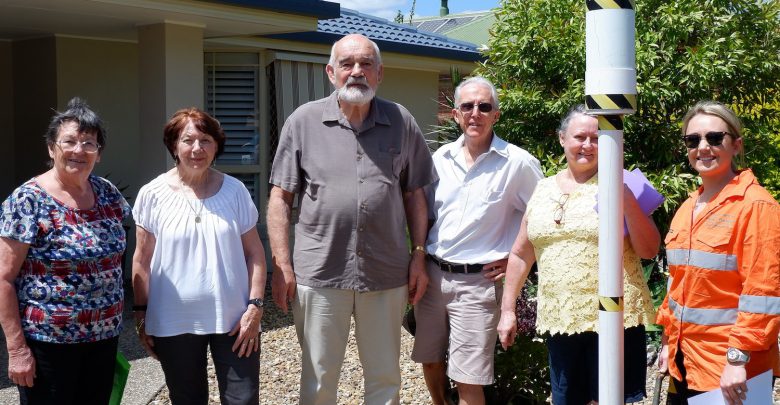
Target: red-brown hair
x: 203, y: 122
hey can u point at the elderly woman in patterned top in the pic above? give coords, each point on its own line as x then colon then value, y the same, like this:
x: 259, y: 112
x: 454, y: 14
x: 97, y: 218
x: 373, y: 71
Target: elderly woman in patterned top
x: 560, y: 231
x: 61, y: 245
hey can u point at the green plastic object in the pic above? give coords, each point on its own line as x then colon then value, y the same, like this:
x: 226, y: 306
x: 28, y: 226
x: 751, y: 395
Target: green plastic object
x: 121, y: 371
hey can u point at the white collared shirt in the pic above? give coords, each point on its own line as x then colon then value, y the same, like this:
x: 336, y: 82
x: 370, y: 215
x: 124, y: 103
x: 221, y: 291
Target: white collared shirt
x: 477, y: 211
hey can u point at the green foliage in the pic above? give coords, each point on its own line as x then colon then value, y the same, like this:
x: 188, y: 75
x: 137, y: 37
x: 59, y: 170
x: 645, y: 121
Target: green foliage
x: 521, y: 373
x: 686, y: 51
x: 399, y: 17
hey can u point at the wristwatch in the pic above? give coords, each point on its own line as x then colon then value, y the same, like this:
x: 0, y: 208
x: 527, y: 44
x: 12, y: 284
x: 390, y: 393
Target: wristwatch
x: 736, y: 356
x: 258, y: 302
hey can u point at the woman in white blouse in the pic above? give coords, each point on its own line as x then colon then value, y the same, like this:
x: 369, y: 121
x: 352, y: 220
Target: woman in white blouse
x: 199, y: 268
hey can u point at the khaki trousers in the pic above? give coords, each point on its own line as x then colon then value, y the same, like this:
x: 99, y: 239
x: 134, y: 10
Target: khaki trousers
x: 322, y: 318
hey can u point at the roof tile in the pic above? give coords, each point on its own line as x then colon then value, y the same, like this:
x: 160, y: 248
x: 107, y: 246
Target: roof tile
x: 375, y: 27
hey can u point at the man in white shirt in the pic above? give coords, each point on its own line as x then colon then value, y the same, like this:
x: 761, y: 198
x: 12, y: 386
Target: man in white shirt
x: 477, y: 204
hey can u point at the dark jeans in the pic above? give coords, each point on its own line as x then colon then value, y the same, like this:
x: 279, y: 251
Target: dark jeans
x: 678, y: 390
x: 574, y: 366
x: 183, y: 360
x: 78, y: 373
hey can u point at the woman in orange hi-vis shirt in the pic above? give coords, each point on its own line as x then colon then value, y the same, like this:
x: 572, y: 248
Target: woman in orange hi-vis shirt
x: 721, y: 314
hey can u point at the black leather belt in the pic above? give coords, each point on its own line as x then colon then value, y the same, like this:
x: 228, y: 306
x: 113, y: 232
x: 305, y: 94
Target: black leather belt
x: 456, y: 267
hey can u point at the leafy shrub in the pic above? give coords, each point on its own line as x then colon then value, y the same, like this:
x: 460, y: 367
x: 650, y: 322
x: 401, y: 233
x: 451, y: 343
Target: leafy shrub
x: 686, y: 51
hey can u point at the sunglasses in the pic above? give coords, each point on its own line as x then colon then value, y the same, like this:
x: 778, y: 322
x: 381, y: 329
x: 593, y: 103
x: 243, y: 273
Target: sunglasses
x: 469, y: 107
x: 714, y: 138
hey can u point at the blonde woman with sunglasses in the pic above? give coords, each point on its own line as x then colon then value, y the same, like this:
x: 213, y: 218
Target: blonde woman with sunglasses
x: 721, y: 315
x: 560, y: 231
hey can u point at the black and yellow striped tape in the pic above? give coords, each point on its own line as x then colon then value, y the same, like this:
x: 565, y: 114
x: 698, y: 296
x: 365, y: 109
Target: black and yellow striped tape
x: 610, y: 122
x: 610, y: 304
x: 611, y: 102
x: 610, y: 4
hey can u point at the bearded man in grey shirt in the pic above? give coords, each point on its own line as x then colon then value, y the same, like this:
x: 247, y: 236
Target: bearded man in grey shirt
x: 358, y: 164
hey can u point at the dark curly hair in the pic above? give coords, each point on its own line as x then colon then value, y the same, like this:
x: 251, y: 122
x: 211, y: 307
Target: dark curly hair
x: 77, y: 111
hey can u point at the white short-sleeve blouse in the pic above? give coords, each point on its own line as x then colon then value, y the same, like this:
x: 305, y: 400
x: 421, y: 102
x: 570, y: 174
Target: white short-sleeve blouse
x: 199, y: 281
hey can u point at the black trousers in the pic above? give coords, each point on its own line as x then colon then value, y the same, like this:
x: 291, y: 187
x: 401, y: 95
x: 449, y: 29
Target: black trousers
x: 79, y: 373
x: 184, y: 361
x: 682, y: 392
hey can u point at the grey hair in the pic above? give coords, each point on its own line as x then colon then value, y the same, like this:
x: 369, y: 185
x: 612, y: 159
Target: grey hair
x: 478, y: 80
x: 578, y: 109
x: 716, y: 109
x: 332, y: 60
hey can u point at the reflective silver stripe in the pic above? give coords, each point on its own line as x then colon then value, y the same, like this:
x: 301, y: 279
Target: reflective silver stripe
x: 704, y: 260
x: 758, y: 304
x: 677, y: 256
x: 702, y: 316
x: 669, y: 284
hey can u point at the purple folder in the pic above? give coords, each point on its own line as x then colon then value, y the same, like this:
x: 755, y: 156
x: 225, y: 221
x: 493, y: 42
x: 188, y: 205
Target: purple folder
x: 648, y: 198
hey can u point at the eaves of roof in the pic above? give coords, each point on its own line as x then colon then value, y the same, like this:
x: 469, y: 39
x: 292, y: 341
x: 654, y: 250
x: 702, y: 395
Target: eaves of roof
x: 314, y: 8
x: 390, y: 36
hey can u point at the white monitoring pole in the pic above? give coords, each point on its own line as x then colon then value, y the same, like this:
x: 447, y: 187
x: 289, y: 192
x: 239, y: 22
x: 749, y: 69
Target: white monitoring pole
x: 610, y: 92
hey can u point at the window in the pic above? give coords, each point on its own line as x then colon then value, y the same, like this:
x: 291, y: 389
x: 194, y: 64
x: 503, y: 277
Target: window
x: 293, y: 80
x: 252, y: 94
x: 232, y: 81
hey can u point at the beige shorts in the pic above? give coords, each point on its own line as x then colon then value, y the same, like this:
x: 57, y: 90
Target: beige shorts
x: 457, y: 319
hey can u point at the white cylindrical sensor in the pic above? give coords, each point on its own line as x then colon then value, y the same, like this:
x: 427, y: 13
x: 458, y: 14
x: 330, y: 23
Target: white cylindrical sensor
x: 610, y: 58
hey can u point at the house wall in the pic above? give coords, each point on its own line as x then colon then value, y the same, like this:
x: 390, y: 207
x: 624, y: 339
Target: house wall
x: 105, y: 74
x: 7, y: 179
x: 34, y: 95
x: 170, y: 78
x: 417, y: 90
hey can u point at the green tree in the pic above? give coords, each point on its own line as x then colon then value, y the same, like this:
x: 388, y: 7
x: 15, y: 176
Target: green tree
x: 399, y: 17
x: 686, y: 51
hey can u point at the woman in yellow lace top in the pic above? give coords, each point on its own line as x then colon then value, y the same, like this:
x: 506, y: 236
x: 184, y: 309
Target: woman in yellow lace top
x: 560, y: 231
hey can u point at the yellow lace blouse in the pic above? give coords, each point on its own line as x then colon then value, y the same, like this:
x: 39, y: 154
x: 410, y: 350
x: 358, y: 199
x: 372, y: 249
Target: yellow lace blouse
x: 568, y: 261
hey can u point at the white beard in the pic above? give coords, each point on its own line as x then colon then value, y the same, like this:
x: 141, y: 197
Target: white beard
x: 357, y: 94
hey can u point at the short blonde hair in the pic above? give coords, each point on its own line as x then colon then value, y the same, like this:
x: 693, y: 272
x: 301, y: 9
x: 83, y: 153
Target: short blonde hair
x: 728, y: 116
x: 718, y: 110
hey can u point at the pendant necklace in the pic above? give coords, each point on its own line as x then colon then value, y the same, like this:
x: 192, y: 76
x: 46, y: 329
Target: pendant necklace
x: 187, y: 200
x: 198, y: 212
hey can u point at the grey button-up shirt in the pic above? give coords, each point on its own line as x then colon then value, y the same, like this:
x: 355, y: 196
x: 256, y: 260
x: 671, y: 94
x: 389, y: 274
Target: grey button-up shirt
x: 351, y: 229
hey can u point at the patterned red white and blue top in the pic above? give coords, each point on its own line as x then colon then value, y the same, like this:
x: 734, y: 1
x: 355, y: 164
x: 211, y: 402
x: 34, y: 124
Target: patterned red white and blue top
x: 70, y: 284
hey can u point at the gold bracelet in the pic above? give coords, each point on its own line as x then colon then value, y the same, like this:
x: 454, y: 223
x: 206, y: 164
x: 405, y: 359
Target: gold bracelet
x: 419, y: 248
x: 139, y: 326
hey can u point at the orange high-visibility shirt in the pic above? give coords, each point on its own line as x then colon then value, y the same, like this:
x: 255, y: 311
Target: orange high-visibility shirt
x: 724, y: 283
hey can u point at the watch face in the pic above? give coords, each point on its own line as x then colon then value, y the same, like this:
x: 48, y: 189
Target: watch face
x: 735, y: 355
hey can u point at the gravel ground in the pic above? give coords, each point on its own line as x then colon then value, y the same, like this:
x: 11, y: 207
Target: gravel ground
x: 281, y: 367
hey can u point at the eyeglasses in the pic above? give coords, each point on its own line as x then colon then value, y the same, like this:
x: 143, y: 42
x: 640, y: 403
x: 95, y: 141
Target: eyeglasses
x: 558, y: 213
x: 69, y: 145
x: 469, y: 107
x: 714, y: 138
